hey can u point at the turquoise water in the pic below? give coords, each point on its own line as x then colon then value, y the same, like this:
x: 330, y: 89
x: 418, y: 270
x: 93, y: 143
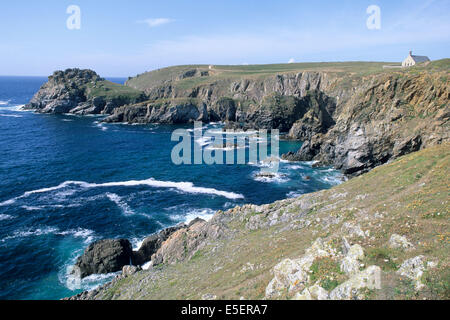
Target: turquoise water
x: 66, y: 181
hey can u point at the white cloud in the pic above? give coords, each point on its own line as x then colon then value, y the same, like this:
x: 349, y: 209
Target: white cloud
x: 291, y: 60
x: 156, y: 22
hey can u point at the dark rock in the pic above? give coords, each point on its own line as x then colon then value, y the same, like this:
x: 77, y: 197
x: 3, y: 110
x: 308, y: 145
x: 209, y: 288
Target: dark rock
x: 151, y: 244
x: 104, y: 256
x: 317, y: 118
x: 223, y: 110
x: 408, y: 145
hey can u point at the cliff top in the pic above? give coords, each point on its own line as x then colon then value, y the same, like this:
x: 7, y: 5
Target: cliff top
x: 188, y: 76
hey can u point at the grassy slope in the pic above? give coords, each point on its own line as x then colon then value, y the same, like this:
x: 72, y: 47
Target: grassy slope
x: 408, y: 197
x: 222, y: 72
x: 110, y: 90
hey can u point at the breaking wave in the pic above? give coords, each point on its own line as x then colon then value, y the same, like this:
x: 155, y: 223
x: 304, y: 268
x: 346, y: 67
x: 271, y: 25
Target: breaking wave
x: 187, y: 187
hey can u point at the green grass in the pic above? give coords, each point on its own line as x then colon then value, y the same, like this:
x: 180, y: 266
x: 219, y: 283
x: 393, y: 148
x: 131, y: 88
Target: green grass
x: 326, y: 271
x: 110, y: 90
x: 158, y: 77
x: 348, y: 72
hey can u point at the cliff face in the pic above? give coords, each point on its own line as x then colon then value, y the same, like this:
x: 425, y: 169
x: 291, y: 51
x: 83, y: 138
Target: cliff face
x: 275, y: 101
x: 81, y: 92
x: 352, y: 116
x: 351, y: 120
x: 386, y: 117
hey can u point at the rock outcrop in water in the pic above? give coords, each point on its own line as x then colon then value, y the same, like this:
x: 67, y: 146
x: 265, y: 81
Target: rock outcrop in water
x: 81, y: 92
x: 166, y: 246
x: 104, y: 256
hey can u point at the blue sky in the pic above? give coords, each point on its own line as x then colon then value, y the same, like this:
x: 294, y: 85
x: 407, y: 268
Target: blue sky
x: 124, y: 38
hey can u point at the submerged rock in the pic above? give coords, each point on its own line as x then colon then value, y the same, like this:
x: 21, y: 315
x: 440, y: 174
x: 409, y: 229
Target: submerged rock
x: 104, y: 256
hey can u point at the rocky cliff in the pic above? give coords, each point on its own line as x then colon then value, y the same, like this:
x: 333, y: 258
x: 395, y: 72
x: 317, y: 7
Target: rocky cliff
x: 81, y: 92
x: 382, y: 235
x: 353, y: 119
x: 353, y: 116
x: 389, y: 116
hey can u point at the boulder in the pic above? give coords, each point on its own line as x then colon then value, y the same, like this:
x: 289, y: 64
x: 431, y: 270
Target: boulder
x: 293, y: 274
x: 413, y: 269
x: 400, y: 242
x: 351, y: 262
x: 104, y: 256
x: 315, y: 292
x: 130, y: 270
x: 352, y: 289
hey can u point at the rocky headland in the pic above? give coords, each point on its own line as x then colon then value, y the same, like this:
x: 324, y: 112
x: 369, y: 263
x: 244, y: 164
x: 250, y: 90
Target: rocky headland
x: 81, y: 92
x: 381, y: 235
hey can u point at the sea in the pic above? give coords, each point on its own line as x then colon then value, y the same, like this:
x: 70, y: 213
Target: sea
x: 67, y: 181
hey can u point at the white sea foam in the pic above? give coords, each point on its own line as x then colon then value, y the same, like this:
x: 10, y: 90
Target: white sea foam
x: 17, y: 108
x: 100, y: 125
x: 31, y: 232
x: 120, y: 203
x: 222, y: 148
x: 10, y: 115
x: 205, y: 214
x: 5, y: 217
x: 72, y: 282
x: 187, y: 187
x: 228, y: 205
x: 333, y: 180
x: 273, y: 178
x: 7, y: 202
x: 137, y: 243
x: 51, y: 206
x: 294, y: 194
x: 86, y: 234
x: 3, y: 103
x: 147, y: 265
x: 32, y: 208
